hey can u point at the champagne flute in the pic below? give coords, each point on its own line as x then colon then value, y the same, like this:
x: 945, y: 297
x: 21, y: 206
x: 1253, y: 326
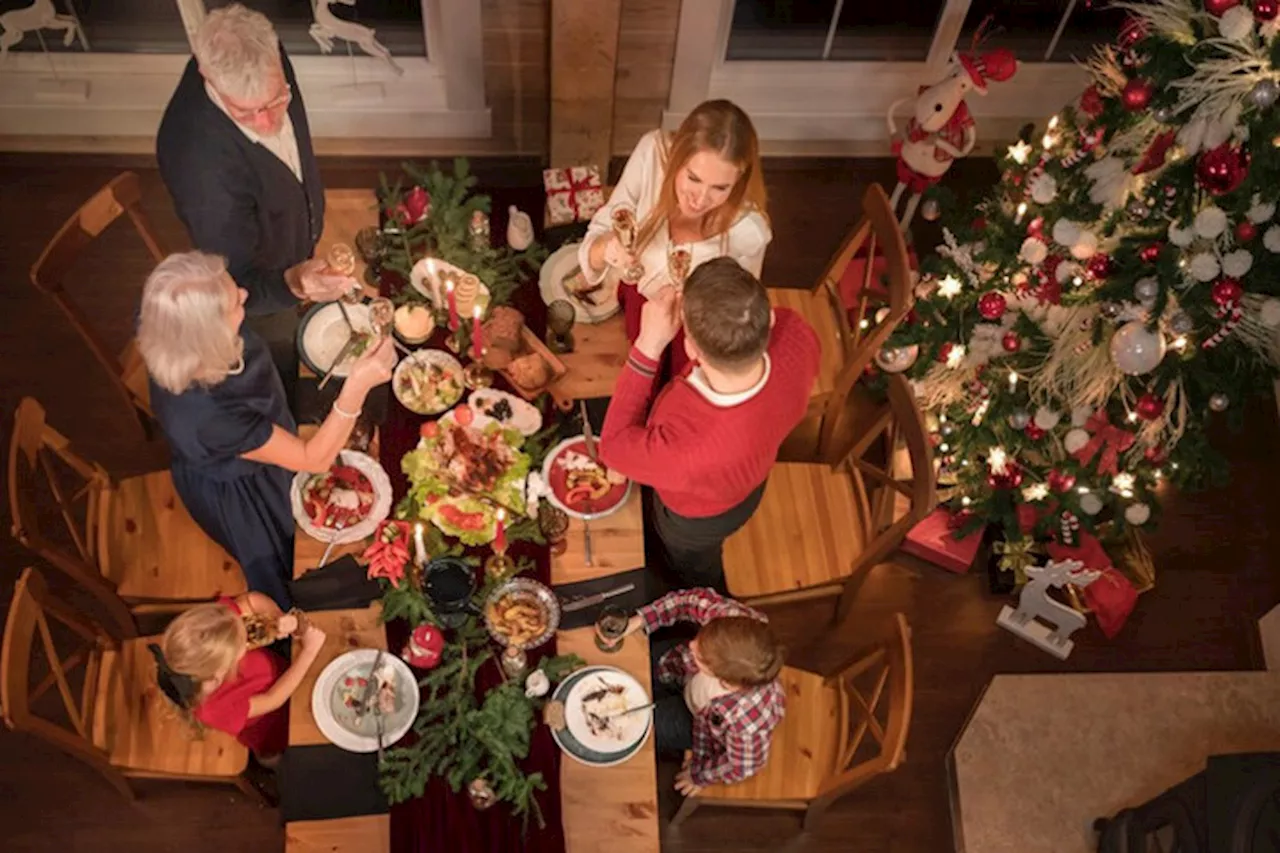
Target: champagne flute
x: 679, y: 263
x: 624, y: 226
x: 341, y: 260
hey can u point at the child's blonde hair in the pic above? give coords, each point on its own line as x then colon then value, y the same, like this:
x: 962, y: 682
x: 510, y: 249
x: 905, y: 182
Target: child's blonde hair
x: 740, y: 650
x: 204, y: 642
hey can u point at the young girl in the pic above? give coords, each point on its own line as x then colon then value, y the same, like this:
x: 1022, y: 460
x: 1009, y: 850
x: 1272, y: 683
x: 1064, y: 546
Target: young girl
x: 207, y: 667
x: 727, y: 700
x: 699, y: 192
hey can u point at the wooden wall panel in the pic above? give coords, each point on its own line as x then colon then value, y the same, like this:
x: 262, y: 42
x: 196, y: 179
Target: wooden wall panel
x: 516, y: 46
x: 646, y: 51
x: 584, y: 45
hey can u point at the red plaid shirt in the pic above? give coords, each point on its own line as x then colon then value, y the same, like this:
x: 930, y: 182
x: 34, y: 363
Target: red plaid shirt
x: 731, y: 734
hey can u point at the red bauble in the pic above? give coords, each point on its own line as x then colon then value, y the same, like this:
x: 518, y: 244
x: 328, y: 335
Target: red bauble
x: 1150, y: 254
x: 1137, y: 94
x: 945, y: 350
x: 1131, y: 33
x: 1011, y: 342
x: 1222, y: 169
x: 991, y: 305
x: 1091, y: 102
x: 1060, y: 481
x: 1033, y: 432
x: 1149, y: 407
x: 1099, y: 266
x: 424, y: 648
x: 1218, y: 7
x: 1035, y: 228
x: 1266, y: 10
x: 1010, y: 479
x: 1154, y: 455
x: 1227, y: 292
x: 1246, y: 231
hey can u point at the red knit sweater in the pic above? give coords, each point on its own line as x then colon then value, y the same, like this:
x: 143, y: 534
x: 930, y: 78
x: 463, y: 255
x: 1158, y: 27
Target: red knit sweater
x: 701, y: 458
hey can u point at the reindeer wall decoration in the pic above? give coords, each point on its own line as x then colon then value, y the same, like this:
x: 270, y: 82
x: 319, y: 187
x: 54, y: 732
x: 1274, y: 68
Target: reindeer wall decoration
x: 1041, y: 620
x: 329, y: 26
x: 40, y: 15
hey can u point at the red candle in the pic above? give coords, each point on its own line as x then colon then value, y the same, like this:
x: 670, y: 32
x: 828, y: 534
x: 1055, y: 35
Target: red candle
x: 500, y: 534
x: 477, y: 345
x: 453, y: 306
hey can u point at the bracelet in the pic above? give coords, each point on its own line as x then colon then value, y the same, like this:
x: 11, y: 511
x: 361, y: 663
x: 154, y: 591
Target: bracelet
x: 340, y: 412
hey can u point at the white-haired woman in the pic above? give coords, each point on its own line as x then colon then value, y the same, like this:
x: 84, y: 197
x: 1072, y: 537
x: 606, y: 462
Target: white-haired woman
x: 221, y: 404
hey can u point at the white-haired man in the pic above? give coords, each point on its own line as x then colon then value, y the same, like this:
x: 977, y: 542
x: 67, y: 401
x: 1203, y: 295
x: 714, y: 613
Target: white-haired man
x: 235, y: 152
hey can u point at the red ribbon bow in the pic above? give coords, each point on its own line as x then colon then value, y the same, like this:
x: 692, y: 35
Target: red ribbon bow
x: 590, y: 182
x: 1109, y: 439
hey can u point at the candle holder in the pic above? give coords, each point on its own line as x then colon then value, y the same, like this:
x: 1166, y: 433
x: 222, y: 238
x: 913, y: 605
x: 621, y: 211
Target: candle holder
x: 454, y: 341
x: 499, y: 566
x: 515, y: 662
x: 476, y: 375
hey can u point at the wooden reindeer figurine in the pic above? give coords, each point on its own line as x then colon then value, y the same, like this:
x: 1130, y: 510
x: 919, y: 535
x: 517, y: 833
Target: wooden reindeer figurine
x: 941, y: 129
x: 40, y: 15
x: 1041, y: 620
x: 329, y: 26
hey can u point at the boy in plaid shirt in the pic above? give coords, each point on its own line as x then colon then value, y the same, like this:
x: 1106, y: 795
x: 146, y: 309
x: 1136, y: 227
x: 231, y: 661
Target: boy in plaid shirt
x: 723, y: 699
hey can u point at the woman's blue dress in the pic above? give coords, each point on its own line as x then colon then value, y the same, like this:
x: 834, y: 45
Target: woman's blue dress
x: 242, y: 505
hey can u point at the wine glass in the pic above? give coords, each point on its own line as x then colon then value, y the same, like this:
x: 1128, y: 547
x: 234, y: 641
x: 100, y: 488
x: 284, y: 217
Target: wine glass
x: 611, y: 628
x: 554, y: 524
x: 679, y: 263
x: 341, y: 260
x: 624, y: 226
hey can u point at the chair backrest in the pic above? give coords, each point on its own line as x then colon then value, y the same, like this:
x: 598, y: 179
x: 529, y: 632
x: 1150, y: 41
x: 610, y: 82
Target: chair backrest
x: 123, y: 195
x: 875, y: 697
x: 28, y: 619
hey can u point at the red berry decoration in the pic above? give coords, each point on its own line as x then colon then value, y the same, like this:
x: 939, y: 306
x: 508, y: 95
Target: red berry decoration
x: 1011, y: 342
x: 1227, y: 292
x: 1222, y: 169
x: 1218, y: 7
x: 1266, y: 10
x: 1150, y: 254
x: 1137, y: 94
x: 1091, y: 102
x: 1060, y: 481
x: 1246, y: 231
x: 945, y: 350
x: 991, y: 306
x: 1033, y: 432
x: 1099, y: 266
x: 1154, y: 455
x: 1149, y: 407
x: 1132, y: 32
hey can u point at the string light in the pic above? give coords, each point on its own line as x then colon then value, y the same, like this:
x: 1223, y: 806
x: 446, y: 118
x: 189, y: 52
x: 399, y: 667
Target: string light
x: 944, y: 447
x: 1013, y: 380
x: 1035, y: 492
x: 998, y: 460
x: 981, y: 413
x: 1132, y: 417
x: 1123, y: 484
x: 1048, y: 141
x: 949, y: 287
x: 1159, y: 472
x: 864, y: 323
x: 1077, y: 281
x: 965, y: 501
x: 1022, y: 211
x: 1053, y: 123
x: 956, y: 357
x: 1180, y: 343
x: 1084, y: 490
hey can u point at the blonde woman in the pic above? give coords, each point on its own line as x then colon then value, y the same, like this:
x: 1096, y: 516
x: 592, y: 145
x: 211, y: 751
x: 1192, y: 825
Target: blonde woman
x: 699, y: 191
x: 221, y: 404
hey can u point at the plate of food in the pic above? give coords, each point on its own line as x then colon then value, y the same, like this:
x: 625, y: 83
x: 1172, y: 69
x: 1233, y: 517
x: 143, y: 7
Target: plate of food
x: 579, y: 486
x: 323, y: 333
x: 508, y: 410
x: 522, y: 613
x: 562, y: 278
x: 428, y: 382
x: 345, y: 503
x: 350, y: 695
x: 428, y: 275
x: 597, y: 730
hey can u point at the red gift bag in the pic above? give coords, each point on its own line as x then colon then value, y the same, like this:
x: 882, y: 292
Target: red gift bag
x: 1111, y: 598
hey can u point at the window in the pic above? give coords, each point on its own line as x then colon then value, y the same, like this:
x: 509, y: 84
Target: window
x: 110, y: 26
x: 397, y: 24
x: 832, y: 30
x: 1044, y: 30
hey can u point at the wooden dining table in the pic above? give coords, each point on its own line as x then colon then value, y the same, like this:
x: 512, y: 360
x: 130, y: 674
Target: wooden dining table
x: 602, y: 808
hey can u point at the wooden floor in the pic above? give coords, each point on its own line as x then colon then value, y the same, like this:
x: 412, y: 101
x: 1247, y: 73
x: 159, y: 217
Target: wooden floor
x: 1213, y: 551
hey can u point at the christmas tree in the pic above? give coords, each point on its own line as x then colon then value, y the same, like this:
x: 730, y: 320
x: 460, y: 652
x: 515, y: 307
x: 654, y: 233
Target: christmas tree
x: 1115, y: 294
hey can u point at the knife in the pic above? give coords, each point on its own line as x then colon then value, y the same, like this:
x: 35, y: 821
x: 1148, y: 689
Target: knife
x: 592, y: 600
x: 372, y: 686
x: 346, y: 318
x: 342, y: 353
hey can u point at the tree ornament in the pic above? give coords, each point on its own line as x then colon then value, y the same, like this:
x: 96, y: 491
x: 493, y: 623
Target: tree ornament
x: 1019, y: 418
x: 1099, y: 266
x: 1220, y: 170
x: 944, y: 351
x: 1135, y: 349
x: 1209, y: 223
x: 930, y: 210
x: 897, y: 359
x: 1137, y: 209
x: 1146, y: 289
x: 481, y: 794
x: 1110, y: 310
x: 1266, y: 10
x: 1091, y: 102
x: 1269, y: 313
x: 1010, y: 479
x: 1164, y: 115
x: 1137, y: 514
x: 1181, y: 323
x: 1245, y: 231
x: 1060, y: 481
x: 1150, y: 254
x: 1204, y: 266
x: 1011, y: 342
x: 1264, y: 94
x: 1218, y: 8
x: 1075, y: 439
x: 1137, y: 94
x: 1034, y: 432
x: 1271, y: 239
x: 1155, y: 455
x: 1033, y: 251
x: 1226, y: 292
x: 1046, y: 418
x: 1237, y: 264
x: 992, y: 305
x: 1237, y: 24
x: 1090, y: 504
x: 1149, y: 407
x: 1132, y: 31
x: 1219, y: 402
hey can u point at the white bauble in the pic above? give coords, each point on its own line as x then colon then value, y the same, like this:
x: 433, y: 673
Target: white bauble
x: 897, y: 359
x: 1271, y: 238
x: 1075, y: 439
x: 1046, y: 418
x: 1086, y: 246
x: 1236, y: 264
x: 1236, y: 24
x: 1043, y: 188
x: 1180, y: 237
x: 1210, y: 222
x: 1080, y: 415
x: 1260, y: 211
x: 1067, y: 271
x: 1033, y: 251
x: 1137, y: 514
x: 1135, y: 349
x: 1091, y: 504
x: 1204, y: 267
x: 1065, y: 232
x: 1269, y: 313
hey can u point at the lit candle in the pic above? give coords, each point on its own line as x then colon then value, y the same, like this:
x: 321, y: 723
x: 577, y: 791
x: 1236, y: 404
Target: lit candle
x: 432, y: 282
x: 453, y: 306
x: 420, y: 547
x: 476, y: 342
x: 500, y: 532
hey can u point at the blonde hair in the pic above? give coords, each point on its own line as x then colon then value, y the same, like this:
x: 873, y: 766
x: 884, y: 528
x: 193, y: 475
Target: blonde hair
x: 723, y: 128
x: 183, y: 335
x: 740, y: 650
x: 204, y: 642
x: 238, y: 52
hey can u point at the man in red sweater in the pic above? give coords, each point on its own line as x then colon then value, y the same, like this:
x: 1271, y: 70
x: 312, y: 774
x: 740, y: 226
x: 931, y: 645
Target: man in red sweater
x: 708, y: 441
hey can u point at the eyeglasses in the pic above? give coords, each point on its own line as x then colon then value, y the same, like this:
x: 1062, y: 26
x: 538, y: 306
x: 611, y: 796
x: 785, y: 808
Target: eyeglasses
x: 243, y: 115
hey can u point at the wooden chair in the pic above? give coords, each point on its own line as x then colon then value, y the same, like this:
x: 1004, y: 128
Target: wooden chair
x: 132, y: 538
x: 123, y: 195
x: 838, y: 733
x: 820, y: 529
x: 847, y: 348
x: 121, y: 725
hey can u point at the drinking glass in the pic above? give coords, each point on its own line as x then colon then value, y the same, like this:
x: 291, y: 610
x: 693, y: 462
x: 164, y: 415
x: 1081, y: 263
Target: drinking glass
x: 679, y: 263
x: 611, y: 627
x: 372, y: 248
x: 624, y: 225
x: 554, y: 524
x: 560, y: 317
x: 341, y: 260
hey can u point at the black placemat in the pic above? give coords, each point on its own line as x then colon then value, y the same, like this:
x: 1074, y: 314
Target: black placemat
x: 559, y: 235
x: 311, y: 404
x: 627, y: 601
x: 571, y: 426
x: 325, y: 783
x: 340, y: 585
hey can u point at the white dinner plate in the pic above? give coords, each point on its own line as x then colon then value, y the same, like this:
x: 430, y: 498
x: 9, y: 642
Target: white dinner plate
x: 324, y: 333
x: 381, y: 508
x: 343, y: 734
x: 577, y: 739
x: 562, y: 264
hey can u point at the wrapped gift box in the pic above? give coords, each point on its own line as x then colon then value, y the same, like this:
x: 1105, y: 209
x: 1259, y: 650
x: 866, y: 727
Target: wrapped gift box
x: 932, y: 540
x: 573, y: 195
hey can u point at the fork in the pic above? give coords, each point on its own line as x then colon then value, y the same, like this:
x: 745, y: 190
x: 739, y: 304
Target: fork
x: 337, y: 531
